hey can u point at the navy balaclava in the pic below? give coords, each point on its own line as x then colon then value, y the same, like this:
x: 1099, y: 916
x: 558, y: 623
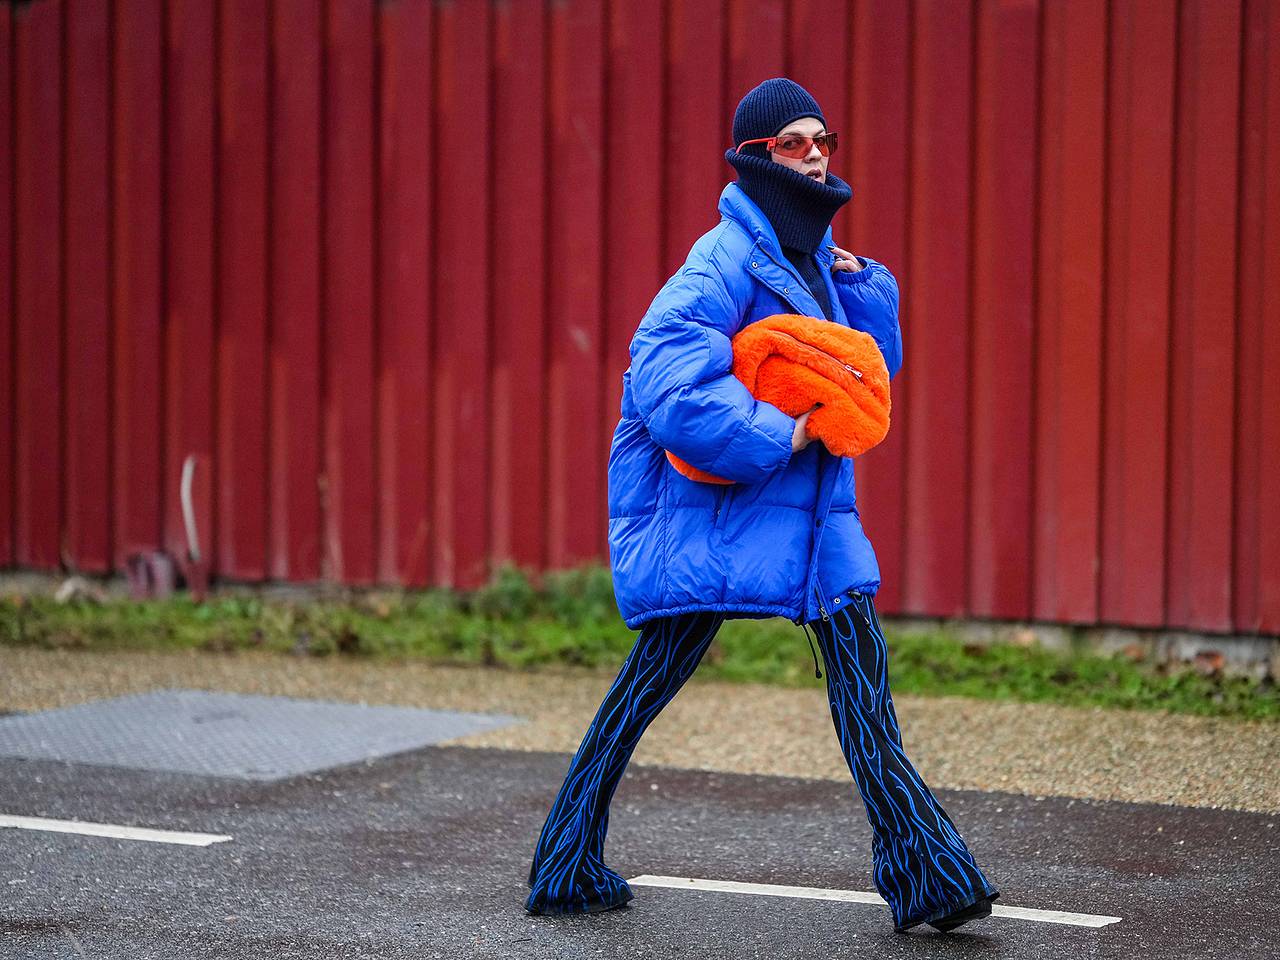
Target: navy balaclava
x: 799, y: 207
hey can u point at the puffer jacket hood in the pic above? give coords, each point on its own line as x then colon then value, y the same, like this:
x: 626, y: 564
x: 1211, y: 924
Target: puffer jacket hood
x: 785, y: 539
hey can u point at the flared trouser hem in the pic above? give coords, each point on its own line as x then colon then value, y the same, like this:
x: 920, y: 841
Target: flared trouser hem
x: 568, y: 873
x: 988, y: 891
x: 920, y: 863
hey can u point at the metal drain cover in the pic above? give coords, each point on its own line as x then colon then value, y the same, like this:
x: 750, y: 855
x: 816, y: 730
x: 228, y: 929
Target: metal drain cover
x: 230, y: 734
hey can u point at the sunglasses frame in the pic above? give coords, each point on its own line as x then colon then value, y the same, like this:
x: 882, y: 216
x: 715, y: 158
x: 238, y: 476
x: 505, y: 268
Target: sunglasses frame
x: 830, y: 138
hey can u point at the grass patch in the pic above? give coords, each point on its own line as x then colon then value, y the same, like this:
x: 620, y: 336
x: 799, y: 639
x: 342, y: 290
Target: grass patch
x: 568, y: 617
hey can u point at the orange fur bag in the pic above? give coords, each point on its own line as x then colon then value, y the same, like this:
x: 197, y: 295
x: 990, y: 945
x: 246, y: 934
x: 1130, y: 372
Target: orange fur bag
x: 793, y: 362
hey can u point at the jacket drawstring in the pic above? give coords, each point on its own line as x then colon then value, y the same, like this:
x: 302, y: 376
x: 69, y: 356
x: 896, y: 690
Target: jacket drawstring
x: 816, y: 672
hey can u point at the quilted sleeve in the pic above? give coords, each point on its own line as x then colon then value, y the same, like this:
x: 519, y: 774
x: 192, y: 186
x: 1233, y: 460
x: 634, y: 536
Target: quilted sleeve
x: 684, y: 388
x: 870, y: 300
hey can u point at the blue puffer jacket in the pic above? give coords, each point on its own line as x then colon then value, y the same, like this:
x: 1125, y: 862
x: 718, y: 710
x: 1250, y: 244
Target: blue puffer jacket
x: 785, y: 539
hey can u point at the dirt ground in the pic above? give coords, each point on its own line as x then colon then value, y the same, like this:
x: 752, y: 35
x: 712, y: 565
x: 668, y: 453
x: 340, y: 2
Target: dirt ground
x: 1033, y: 749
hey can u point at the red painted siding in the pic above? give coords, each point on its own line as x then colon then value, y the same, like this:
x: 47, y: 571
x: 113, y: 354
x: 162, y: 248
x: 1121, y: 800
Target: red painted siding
x: 87, y: 291
x: 296, y: 528
x: 936, y: 279
x: 38, y: 276
x: 518, y: 379
x: 380, y: 263
x: 1140, y: 135
x: 404, y: 249
x: 7, y: 342
x: 1001, y: 318
x: 876, y: 164
x: 239, y: 536
x: 1203, y: 318
x: 190, y: 265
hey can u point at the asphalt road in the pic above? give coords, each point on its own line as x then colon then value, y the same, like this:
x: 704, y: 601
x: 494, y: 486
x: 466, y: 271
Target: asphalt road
x: 424, y: 855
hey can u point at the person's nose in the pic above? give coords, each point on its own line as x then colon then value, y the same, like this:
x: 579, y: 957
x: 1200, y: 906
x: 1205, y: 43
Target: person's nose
x: 814, y: 152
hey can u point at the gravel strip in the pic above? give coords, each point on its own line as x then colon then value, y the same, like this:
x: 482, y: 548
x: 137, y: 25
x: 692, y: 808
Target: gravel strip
x: 958, y: 743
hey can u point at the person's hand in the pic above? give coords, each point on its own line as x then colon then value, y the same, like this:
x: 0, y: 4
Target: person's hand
x: 845, y: 260
x: 800, y: 440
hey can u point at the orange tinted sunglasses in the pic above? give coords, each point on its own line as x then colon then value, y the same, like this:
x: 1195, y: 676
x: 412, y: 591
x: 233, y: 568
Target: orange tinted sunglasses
x: 795, y: 146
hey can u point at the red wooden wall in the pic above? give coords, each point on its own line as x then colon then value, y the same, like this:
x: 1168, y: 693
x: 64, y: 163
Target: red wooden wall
x: 382, y: 263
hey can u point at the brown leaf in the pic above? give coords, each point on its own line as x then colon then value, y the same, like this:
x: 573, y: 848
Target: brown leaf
x: 1134, y: 652
x: 1024, y: 637
x: 1208, y: 662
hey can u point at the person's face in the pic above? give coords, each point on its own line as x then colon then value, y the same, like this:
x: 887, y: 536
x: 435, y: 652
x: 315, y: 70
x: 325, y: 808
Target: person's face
x: 813, y: 164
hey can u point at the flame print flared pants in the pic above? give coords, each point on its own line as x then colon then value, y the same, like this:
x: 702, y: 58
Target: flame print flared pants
x: 920, y: 864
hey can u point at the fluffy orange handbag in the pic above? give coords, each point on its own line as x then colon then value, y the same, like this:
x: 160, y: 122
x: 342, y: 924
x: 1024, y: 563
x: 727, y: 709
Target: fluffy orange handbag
x: 793, y: 362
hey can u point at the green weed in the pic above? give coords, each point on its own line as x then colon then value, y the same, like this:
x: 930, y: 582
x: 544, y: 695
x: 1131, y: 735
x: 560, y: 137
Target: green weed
x: 569, y: 618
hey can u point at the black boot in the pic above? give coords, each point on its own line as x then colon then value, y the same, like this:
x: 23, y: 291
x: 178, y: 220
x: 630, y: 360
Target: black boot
x: 973, y: 911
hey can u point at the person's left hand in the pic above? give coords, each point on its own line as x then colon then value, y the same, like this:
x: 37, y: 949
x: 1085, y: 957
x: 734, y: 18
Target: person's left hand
x: 845, y: 260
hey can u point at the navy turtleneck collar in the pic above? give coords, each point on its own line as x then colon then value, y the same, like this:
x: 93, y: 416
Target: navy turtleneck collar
x: 800, y: 208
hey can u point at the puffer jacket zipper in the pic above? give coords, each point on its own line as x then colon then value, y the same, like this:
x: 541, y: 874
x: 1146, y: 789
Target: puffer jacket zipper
x: 817, y: 590
x: 792, y: 272
x: 721, y: 495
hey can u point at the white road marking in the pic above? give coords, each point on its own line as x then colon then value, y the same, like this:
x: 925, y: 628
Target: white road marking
x: 858, y: 896
x: 111, y: 830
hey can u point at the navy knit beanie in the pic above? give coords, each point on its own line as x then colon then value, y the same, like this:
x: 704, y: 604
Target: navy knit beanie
x: 768, y: 108
x: 799, y: 207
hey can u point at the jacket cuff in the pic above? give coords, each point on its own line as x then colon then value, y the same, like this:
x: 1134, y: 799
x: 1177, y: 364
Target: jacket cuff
x: 857, y: 276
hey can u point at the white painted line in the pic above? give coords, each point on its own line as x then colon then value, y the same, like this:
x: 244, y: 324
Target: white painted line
x: 858, y: 896
x: 1053, y: 916
x: 764, y: 889
x: 111, y: 830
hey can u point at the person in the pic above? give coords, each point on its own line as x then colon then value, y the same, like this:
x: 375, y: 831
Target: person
x: 784, y: 539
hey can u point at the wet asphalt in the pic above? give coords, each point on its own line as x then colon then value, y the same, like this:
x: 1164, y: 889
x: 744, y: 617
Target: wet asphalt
x: 424, y: 854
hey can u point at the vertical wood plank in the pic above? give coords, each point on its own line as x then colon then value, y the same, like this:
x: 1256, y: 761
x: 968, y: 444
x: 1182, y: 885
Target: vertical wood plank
x: 405, y: 248
x: 7, y: 330
x: 940, y: 256
x: 461, y: 329
x: 757, y: 47
x: 1256, y: 589
x: 295, y: 525
x: 189, y: 258
x: 578, y: 136
x: 876, y: 161
x: 241, y: 453
x: 817, y: 37
x: 1002, y: 314
x: 1136, y: 354
x: 520, y: 224
x: 694, y: 101
x: 38, y: 465
x: 1204, y: 318
x: 87, y: 533
x: 137, y: 488
x: 633, y: 271
x: 348, y: 267
x: 1069, y: 312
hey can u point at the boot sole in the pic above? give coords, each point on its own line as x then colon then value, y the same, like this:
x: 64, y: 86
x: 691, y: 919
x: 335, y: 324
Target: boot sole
x: 975, y: 911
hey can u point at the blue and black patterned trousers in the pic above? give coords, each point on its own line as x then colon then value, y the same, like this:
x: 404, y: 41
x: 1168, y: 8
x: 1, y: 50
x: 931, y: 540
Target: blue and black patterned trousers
x: 920, y: 864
